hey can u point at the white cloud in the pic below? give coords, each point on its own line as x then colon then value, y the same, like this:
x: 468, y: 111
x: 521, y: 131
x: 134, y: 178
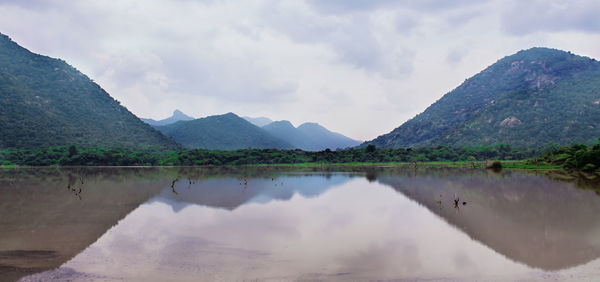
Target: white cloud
x: 525, y: 17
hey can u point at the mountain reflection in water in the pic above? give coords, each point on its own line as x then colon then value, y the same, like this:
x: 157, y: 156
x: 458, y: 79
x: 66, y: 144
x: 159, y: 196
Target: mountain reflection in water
x: 284, y: 224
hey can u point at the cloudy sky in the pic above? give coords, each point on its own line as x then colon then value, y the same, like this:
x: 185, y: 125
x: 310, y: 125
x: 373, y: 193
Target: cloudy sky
x: 360, y: 68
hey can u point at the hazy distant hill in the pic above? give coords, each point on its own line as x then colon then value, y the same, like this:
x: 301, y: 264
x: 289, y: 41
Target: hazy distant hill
x: 46, y: 102
x: 177, y: 116
x: 325, y: 138
x: 222, y: 132
x: 532, y: 98
x: 284, y: 130
x: 258, y: 121
x: 309, y: 136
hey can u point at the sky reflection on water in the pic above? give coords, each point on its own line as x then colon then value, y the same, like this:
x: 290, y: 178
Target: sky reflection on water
x: 396, y: 224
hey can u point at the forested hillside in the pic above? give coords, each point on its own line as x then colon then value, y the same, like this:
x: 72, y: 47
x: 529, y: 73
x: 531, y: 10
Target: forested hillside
x: 533, y: 98
x: 222, y: 132
x: 46, y: 102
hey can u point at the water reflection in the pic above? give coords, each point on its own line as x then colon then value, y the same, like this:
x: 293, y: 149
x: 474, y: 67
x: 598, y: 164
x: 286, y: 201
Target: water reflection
x: 530, y: 219
x: 230, y: 193
x: 282, y: 224
x: 50, y: 215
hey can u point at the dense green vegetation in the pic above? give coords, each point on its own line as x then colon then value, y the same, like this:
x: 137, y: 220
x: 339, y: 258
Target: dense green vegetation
x: 72, y: 155
x: 562, y: 114
x: 46, y: 102
x: 531, y: 99
x: 576, y: 156
x: 221, y: 132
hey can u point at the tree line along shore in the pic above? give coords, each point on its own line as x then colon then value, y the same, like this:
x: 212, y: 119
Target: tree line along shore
x: 575, y: 157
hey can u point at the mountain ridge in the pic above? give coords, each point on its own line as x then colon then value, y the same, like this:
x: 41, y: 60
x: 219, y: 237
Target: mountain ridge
x: 222, y: 132
x: 328, y: 139
x: 286, y: 131
x: 533, y: 72
x: 175, y: 117
x: 309, y: 136
x: 46, y: 102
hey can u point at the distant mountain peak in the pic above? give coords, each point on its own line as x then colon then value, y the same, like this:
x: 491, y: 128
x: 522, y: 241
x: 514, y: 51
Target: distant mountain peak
x: 534, y: 51
x: 286, y: 123
x: 542, y: 54
x: 180, y: 115
x: 222, y: 132
x: 177, y: 116
x: 309, y: 136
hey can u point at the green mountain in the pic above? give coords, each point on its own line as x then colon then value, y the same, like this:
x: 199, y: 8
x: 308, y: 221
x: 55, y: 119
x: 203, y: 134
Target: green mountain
x: 177, y: 116
x: 221, y: 132
x: 533, y: 98
x: 46, y: 102
x: 309, y: 136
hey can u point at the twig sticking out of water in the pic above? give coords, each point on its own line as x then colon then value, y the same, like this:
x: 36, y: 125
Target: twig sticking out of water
x: 173, y: 186
x: 456, y: 200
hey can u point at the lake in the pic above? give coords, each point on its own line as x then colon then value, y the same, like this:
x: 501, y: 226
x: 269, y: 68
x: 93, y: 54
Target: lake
x: 277, y: 223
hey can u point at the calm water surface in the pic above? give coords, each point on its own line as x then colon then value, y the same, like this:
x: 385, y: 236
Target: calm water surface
x: 190, y: 224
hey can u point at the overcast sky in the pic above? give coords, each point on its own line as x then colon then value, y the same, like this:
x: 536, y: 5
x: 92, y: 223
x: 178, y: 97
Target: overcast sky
x: 360, y: 68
